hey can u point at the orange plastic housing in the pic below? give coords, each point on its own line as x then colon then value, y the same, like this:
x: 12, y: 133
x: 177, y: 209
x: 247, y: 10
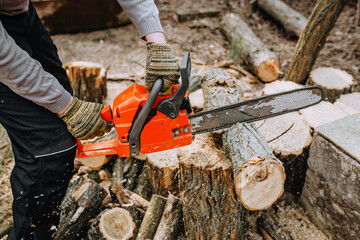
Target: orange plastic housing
x: 159, y: 132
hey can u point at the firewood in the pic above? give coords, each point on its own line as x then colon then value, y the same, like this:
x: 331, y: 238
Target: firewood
x: 258, y: 175
x: 163, y: 169
x: 334, y: 81
x: 5, y: 227
x: 139, y: 201
x: 350, y: 102
x: 312, y: 39
x: 152, y: 218
x: 260, y: 60
x: 88, y: 80
x: 191, y: 14
x: 270, y: 228
x: 94, y: 163
x: 81, y: 203
x: 207, y: 188
x: 197, y: 99
x: 115, y: 223
x: 289, y: 136
x: 143, y: 186
x: 117, y: 175
x: 293, y: 22
x: 170, y: 224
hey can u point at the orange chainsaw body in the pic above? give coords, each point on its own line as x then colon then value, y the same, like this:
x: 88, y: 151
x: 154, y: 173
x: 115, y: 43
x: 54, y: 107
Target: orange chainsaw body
x: 159, y: 132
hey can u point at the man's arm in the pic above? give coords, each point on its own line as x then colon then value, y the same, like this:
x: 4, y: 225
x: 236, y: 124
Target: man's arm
x: 26, y: 77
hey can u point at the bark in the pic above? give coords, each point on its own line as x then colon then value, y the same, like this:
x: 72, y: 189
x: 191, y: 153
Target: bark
x: 320, y: 22
x: 143, y: 187
x: 171, y: 224
x: 131, y: 176
x: 293, y: 22
x: 334, y: 81
x: 271, y: 229
x: 258, y: 175
x: 82, y: 202
x: 152, y: 218
x: 5, y: 227
x: 115, y: 223
x: 191, y: 14
x: 163, y: 169
x: 88, y: 80
x: 260, y: 60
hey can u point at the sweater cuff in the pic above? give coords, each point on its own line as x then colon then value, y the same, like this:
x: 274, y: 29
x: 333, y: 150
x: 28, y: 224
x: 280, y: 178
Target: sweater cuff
x: 150, y: 26
x: 60, y: 103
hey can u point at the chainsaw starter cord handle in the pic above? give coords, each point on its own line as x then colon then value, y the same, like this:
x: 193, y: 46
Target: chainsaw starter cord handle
x: 134, y: 137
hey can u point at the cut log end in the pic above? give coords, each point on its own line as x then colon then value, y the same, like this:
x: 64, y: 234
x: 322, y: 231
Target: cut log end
x: 94, y: 163
x: 116, y: 223
x: 269, y: 70
x: 260, y: 183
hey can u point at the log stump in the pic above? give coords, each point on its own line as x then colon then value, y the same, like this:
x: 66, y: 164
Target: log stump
x: 349, y: 101
x: 260, y: 60
x: 81, y: 203
x: 331, y: 191
x: 115, y: 223
x: 293, y: 22
x: 88, y: 80
x: 334, y: 81
x: 312, y: 39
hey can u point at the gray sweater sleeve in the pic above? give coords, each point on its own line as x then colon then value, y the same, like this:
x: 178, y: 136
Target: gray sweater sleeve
x: 26, y: 77
x: 143, y: 14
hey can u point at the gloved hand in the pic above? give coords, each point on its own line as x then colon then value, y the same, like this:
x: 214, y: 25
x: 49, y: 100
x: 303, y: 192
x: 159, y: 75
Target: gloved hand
x: 161, y: 62
x: 83, y: 119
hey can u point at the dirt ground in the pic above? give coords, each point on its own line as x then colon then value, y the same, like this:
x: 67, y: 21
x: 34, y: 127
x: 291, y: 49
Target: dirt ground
x: 121, y: 50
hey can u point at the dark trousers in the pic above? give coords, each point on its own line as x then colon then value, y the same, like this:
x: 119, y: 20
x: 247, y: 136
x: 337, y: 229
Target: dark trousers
x: 43, y: 148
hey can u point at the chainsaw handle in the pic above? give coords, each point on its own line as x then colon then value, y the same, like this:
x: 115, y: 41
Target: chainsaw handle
x: 134, y: 136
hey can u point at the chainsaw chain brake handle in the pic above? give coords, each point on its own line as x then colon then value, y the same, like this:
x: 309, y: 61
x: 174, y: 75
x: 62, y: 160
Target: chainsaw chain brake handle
x: 171, y: 106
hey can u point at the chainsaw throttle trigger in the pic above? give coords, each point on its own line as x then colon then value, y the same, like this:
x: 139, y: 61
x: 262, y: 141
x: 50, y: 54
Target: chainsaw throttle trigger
x: 171, y: 106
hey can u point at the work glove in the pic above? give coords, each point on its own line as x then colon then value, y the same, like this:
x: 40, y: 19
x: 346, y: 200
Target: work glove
x: 83, y: 119
x: 161, y: 62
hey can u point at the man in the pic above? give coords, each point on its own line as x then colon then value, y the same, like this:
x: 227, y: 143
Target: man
x: 41, y: 115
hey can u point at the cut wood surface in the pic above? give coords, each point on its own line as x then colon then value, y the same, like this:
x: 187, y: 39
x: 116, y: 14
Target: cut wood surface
x: 260, y: 60
x: 170, y: 225
x: 312, y: 39
x: 293, y: 22
x: 334, y: 81
x: 163, y: 172
x: 350, y: 100
x: 94, y: 163
x: 152, y: 218
x: 115, y: 223
x: 280, y: 86
x: 88, y: 80
x: 258, y: 175
x: 270, y: 229
x: 81, y: 203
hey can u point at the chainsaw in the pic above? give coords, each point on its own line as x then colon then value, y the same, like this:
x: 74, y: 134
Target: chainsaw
x: 153, y: 122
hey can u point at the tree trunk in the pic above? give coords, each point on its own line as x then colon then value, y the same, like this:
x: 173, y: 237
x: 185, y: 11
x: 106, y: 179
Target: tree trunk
x: 171, y: 224
x: 334, y: 81
x: 115, y: 223
x: 293, y: 22
x: 259, y: 176
x: 82, y: 202
x: 320, y: 22
x: 163, y: 169
x: 270, y: 228
x: 88, y: 80
x: 152, y: 218
x: 261, y: 61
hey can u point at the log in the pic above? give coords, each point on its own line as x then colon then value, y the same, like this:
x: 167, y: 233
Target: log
x: 331, y: 191
x: 211, y: 209
x: 292, y: 21
x: 260, y: 60
x: 152, y: 218
x: 197, y: 100
x: 115, y: 223
x: 81, y: 203
x: 88, y: 80
x: 270, y: 228
x: 67, y: 16
x: 258, y: 175
x: 131, y: 176
x: 171, y: 224
x: 349, y: 101
x: 143, y: 187
x: 94, y: 163
x: 289, y: 136
x: 334, y: 81
x: 163, y: 171
x: 312, y: 39
x: 184, y: 15
x: 5, y: 227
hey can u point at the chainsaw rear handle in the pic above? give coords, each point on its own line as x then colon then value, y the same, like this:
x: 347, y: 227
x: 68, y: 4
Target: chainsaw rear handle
x: 134, y: 136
